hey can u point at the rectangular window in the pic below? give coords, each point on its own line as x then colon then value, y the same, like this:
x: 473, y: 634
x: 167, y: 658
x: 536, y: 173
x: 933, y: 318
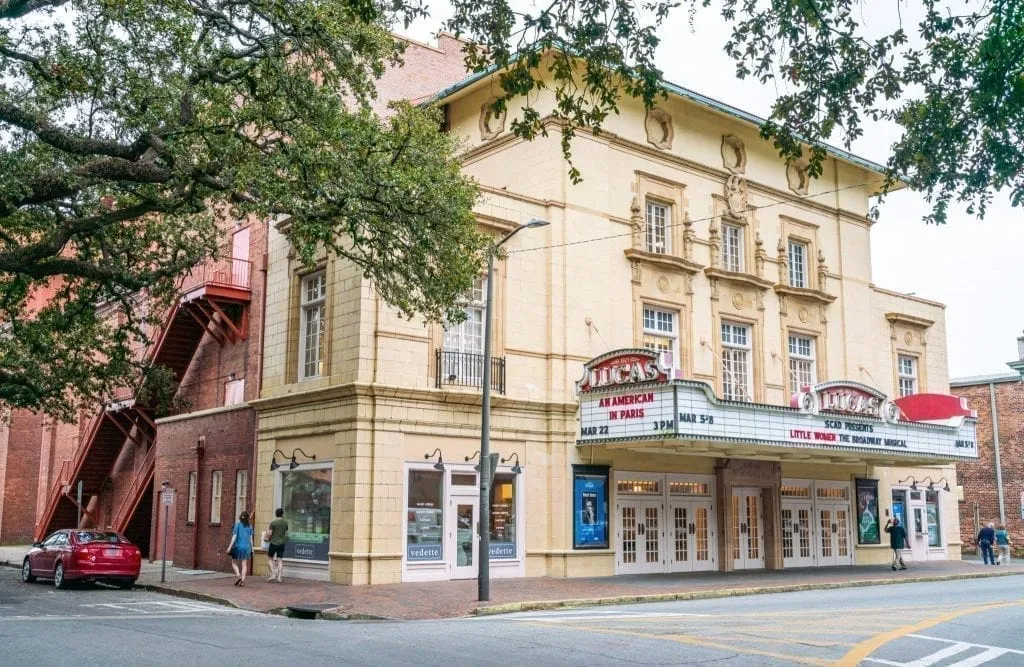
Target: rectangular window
x: 312, y: 325
x: 802, y: 370
x: 425, y: 516
x: 736, y: 366
x: 216, y: 485
x: 503, y: 516
x: 191, y: 516
x: 797, y: 264
x: 660, y: 333
x: 658, y: 234
x: 468, y: 335
x: 234, y: 392
x: 732, y: 247
x: 241, y: 490
x: 931, y: 502
x: 306, y: 501
x: 908, y: 375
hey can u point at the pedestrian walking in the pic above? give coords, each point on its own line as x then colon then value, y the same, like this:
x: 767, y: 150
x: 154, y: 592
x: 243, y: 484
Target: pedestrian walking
x: 986, y: 538
x: 1003, y: 543
x: 240, y: 548
x: 276, y: 535
x: 897, y: 541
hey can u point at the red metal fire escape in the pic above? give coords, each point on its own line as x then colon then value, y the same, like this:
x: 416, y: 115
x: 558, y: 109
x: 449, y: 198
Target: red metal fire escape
x: 214, y: 300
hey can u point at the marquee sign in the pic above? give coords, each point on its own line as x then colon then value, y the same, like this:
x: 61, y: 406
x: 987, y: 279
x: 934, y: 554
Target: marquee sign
x: 617, y: 406
x: 623, y: 367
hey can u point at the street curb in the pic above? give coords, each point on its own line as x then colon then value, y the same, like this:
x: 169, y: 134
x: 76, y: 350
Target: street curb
x: 543, y: 605
x: 192, y: 595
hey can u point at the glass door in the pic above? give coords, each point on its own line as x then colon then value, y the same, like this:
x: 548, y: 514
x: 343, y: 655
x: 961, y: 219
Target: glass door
x: 747, y: 529
x: 463, y: 545
x: 797, y: 535
x: 640, y: 537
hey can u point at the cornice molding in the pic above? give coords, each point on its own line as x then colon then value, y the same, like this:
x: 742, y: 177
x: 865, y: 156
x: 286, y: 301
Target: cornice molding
x: 817, y: 296
x: 736, y: 278
x: 670, y: 262
x: 909, y: 320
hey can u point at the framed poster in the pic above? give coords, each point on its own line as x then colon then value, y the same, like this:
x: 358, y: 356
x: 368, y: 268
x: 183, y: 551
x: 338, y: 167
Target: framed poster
x: 868, y: 531
x: 589, y: 507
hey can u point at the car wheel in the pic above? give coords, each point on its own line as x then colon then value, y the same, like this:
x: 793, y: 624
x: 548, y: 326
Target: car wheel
x: 26, y: 572
x: 58, y: 577
x: 126, y: 584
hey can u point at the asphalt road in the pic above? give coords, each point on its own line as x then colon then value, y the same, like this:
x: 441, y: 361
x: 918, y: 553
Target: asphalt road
x: 958, y: 623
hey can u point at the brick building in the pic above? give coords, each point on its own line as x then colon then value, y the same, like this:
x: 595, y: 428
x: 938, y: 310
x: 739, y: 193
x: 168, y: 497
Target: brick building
x: 994, y: 492
x: 212, y: 339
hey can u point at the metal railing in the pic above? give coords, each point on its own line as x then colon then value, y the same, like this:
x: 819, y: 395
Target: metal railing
x: 466, y: 369
x: 132, y: 496
x: 224, y: 271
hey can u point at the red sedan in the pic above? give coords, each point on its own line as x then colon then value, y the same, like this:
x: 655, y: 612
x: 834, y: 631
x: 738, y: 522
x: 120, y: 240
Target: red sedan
x: 83, y: 555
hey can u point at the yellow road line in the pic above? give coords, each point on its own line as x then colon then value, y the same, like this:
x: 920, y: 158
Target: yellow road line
x: 694, y: 641
x: 865, y: 648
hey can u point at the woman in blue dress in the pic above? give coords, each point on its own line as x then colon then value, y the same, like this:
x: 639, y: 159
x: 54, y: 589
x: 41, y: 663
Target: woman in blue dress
x: 240, y: 548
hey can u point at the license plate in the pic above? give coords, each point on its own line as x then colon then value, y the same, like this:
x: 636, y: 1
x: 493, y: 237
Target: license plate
x: 111, y: 552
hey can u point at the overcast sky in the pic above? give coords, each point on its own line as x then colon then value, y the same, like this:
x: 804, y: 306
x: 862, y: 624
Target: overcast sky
x: 968, y: 264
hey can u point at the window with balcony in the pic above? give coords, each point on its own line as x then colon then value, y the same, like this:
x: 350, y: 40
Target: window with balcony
x: 802, y: 366
x: 658, y: 235
x: 736, y: 366
x: 312, y: 325
x: 661, y: 334
x: 798, y: 264
x: 461, y: 358
x: 732, y: 247
x: 907, y: 375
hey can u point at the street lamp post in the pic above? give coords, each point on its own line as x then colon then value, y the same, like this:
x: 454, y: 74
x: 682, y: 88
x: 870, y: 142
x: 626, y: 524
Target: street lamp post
x: 484, y: 569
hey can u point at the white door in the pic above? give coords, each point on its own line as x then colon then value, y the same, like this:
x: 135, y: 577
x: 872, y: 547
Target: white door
x: 917, y: 531
x: 747, y: 529
x: 691, y: 542
x: 833, y: 528
x: 463, y: 542
x: 797, y: 535
x: 240, y: 258
x: 640, y: 536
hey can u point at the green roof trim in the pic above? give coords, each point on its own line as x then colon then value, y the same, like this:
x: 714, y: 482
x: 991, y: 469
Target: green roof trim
x: 686, y: 93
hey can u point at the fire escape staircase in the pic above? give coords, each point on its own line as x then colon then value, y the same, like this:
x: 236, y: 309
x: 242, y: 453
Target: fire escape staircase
x: 214, y: 300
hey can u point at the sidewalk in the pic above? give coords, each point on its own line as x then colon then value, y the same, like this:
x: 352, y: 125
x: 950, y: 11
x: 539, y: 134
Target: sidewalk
x: 446, y: 599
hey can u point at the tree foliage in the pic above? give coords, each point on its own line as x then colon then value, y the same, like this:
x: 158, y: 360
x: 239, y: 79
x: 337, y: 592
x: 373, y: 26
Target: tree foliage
x: 953, y: 80
x: 129, y: 128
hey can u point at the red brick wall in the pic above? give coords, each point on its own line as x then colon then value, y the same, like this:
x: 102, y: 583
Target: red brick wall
x: 229, y: 438
x: 427, y: 70
x: 21, y: 475
x: 979, y: 479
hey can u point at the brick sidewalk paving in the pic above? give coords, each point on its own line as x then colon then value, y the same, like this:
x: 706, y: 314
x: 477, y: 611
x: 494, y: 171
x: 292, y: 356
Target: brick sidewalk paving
x: 458, y: 598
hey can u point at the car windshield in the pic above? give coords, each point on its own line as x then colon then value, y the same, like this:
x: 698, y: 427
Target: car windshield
x: 88, y: 536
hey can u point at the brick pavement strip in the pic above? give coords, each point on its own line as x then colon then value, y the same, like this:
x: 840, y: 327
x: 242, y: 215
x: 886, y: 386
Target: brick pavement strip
x: 447, y: 599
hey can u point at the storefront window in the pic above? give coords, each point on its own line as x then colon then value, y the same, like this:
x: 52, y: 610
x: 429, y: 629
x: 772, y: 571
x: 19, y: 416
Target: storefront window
x: 306, y: 500
x: 932, y: 505
x: 425, y: 516
x: 503, y: 516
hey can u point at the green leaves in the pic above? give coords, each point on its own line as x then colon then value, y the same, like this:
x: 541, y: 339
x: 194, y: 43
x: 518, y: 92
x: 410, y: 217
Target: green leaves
x: 125, y: 124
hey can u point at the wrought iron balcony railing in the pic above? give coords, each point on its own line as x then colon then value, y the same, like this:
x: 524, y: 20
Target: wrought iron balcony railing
x: 466, y: 369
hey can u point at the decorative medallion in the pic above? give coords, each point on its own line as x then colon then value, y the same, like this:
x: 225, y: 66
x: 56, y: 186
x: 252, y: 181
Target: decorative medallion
x: 908, y: 338
x: 734, y: 154
x: 663, y: 285
x: 736, y: 195
x: 797, y: 177
x: 737, y: 301
x: 803, y: 314
x: 491, y: 124
x: 659, y: 129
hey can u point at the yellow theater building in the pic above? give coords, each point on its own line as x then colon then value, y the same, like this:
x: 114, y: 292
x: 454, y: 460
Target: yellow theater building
x: 691, y: 368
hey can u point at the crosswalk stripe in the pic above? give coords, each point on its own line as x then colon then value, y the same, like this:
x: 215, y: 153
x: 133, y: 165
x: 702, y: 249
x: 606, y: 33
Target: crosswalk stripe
x: 940, y: 655
x: 981, y: 658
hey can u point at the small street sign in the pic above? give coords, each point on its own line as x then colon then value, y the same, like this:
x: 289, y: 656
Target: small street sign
x: 167, y: 497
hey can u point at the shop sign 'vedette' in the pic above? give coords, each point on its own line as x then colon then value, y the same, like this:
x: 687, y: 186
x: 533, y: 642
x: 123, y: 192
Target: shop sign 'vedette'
x: 623, y: 367
x: 846, y: 397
